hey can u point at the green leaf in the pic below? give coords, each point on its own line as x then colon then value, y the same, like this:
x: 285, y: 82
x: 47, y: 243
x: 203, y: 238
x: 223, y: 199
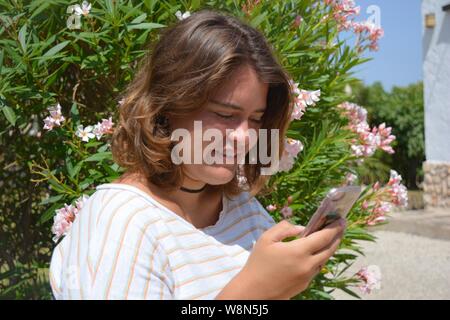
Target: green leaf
x: 108, y: 169
x: 22, y: 38
x: 110, y: 7
x: 99, y: 156
x: 322, y: 294
x: 103, y: 148
x: 145, y: 25
x: 49, y: 213
x: 350, y: 292
x: 10, y: 115
x: 93, y: 143
x: 75, y: 114
x: 51, y: 199
x: 86, y: 183
x: 256, y: 21
x: 41, y: 8
x: 140, y: 18
x: 360, y: 234
x: 1, y: 60
x: 56, y: 186
x: 8, y: 274
x: 56, y: 49
x: 76, y: 169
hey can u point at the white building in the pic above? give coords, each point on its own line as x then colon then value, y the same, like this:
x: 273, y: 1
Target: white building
x: 436, y: 71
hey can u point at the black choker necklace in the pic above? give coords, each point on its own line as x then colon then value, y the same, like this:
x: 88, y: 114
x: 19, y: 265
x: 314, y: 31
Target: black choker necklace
x: 193, y: 190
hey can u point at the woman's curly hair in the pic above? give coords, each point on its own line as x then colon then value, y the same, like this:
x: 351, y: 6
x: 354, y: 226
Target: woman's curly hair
x: 180, y: 73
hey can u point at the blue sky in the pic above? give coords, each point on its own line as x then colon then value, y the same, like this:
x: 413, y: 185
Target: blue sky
x: 399, y: 60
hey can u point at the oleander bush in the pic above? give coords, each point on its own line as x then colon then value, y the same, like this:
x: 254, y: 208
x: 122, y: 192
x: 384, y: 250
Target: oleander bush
x: 403, y: 109
x: 64, y: 65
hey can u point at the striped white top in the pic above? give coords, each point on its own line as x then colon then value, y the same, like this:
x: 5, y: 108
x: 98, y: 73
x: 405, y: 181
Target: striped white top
x: 126, y: 245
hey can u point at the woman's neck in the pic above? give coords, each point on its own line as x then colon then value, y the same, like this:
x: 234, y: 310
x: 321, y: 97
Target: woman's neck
x: 190, y: 206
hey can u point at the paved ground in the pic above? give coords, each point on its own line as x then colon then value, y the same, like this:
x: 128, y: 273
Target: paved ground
x: 413, y: 254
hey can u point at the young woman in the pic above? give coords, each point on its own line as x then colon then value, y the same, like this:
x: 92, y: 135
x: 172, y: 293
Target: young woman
x: 192, y: 230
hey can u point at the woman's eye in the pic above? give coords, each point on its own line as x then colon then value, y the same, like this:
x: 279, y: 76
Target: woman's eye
x: 229, y: 116
x: 226, y: 116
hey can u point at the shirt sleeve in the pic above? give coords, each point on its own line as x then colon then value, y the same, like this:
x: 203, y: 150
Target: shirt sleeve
x: 54, y: 273
x: 131, y: 264
x: 267, y: 220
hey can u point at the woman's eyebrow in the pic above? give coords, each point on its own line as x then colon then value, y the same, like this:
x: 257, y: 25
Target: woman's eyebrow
x: 234, y: 106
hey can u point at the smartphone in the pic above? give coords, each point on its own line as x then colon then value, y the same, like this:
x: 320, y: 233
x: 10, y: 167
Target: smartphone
x: 335, y: 205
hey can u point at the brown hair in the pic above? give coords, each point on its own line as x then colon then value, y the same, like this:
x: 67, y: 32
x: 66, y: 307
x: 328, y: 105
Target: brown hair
x: 192, y: 58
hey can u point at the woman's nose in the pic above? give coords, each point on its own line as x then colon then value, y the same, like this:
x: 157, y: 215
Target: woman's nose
x: 240, y: 134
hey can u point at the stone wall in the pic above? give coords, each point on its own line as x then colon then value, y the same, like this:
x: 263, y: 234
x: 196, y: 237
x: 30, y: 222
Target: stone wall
x: 436, y: 184
x: 436, y: 73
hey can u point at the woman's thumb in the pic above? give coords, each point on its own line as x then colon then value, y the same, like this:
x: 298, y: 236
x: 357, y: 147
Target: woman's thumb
x: 283, y: 230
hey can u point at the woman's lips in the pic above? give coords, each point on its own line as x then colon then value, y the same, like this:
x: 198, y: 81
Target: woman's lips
x: 226, y: 155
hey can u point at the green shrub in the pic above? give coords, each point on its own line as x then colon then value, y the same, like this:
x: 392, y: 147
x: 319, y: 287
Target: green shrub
x: 45, y: 61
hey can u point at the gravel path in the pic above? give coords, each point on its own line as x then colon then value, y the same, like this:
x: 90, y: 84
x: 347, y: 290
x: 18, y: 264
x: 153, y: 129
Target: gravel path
x: 413, y: 255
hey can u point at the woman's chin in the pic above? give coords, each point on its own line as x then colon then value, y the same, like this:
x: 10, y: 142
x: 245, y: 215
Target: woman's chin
x: 219, y: 173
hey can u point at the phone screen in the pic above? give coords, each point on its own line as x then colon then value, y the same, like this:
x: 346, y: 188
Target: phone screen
x: 335, y: 205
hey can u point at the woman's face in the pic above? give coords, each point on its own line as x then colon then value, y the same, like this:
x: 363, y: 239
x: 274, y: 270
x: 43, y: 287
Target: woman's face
x: 238, y: 106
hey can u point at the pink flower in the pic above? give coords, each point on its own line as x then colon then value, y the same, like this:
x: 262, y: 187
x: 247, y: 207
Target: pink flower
x: 394, y: 178
x: 350, y: 178
x: 344, y: 12
x: 286, y: 212
x: 271, y: 207
x: 49, y: 123
x: 104, y: 127
x: 370, y: 277
x: 107, y: 125
x: 365, y: 205
x: 65, y: 216
x: 79, y: 203
x: 374, y: 47
x: 299, y: 110
x: 303, y: 99
x: 286, y: 162
x: 398, y: 191
x: 356, y: 114
x: 372, y: 32
x: 379, y: 211
x: 376, y: 186
x: 385, y: 138
x: 400, y: 195
x: 309, y: 97
x: 298, y: 20
x: 55, y: 119
x: 393, y: 194
x: 369, y: 139
x: 376, y: 219
x: 84, y: 9
x: 291, y: 149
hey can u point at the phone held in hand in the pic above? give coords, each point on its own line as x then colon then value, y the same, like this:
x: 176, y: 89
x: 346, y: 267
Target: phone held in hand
x: 335, y: 205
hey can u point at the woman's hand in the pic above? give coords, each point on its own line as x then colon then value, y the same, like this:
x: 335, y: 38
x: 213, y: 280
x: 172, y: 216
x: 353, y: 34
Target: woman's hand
x: 281, y: 270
